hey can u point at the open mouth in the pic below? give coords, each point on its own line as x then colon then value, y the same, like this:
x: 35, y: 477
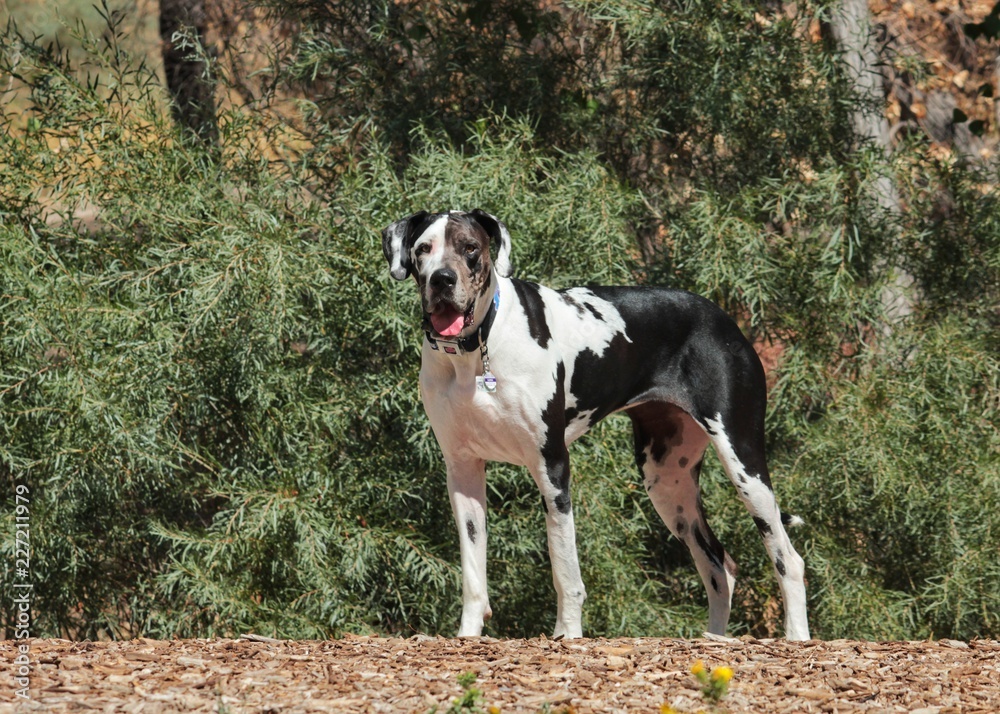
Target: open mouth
x: 448, y: 321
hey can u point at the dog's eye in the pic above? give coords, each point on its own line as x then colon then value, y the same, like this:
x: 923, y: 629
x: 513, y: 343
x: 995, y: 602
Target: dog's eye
x: 423, y: 248
x: 471, y: 249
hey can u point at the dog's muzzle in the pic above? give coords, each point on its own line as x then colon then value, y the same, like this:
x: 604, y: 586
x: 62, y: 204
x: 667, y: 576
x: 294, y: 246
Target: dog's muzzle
x: 448, y: 321
x: 461, y: 345
x: 446, y: 316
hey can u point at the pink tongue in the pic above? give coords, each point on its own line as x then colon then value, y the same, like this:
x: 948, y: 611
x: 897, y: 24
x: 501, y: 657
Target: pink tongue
x: 448, y: 322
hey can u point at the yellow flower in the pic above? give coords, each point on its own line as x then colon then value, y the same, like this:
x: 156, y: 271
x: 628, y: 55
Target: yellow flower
x: 667, y: 709
x: 494, y: 709
x: 723, y: 674
x: 698, y: 668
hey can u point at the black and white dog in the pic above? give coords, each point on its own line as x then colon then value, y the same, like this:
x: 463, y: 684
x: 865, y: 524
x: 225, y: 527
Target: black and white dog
x: 513, y: 371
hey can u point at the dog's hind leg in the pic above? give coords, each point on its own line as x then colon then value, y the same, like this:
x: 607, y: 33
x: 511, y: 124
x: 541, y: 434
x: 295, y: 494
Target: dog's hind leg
x: 739, y: 442
x: 669, y: 445
x: 467, y: 491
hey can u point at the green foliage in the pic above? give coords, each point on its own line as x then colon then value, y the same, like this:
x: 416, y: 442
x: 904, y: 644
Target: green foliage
x: 389, y: 64
x: 52, y: 21
x: 213, y: 392
x: 910, y: 451
x: 953, y: 243
x: 723, y: 94
x: 208, y: 378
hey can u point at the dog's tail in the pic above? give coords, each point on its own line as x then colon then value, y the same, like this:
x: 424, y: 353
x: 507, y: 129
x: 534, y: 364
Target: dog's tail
x: 791, y: 521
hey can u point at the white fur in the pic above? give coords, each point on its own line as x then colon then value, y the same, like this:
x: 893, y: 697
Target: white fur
x: 759, y: 500
x: 433, y: 235
x: 397, y: 234
x: 472, y: 427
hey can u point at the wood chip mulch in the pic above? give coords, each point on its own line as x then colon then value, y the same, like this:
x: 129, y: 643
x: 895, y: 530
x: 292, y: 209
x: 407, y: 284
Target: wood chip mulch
x: 367, y: 674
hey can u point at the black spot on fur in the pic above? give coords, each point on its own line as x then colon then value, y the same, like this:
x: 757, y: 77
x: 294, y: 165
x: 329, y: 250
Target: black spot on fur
x: 554, y: 449
x: 779, y: 565
x: 594, y: 311
x: 663, y: 440
x: 762, y: 526
x: 461, y: 231
x: 604, y: 382
x: 709, y: 546
x: 658, y: 427
x: 683, y: 462
x: 696, y: 470
x: 545, y: 506
x: 534, y: 309
x: 640, y: 455
x: 470, y: 528
x: 680, y: 509
x: 412, y: 228
x: 786, y: 519
x: 681, y: 526
x: 570, y: 301
x: 715, y: 584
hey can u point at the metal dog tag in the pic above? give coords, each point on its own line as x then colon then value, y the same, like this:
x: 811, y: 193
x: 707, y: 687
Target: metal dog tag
x: 487, y: 383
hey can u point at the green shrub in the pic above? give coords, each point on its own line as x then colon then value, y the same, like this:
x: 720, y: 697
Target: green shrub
x: 208, y: 378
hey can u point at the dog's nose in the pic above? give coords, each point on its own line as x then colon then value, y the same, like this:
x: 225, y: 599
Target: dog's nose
x: 443, y: 279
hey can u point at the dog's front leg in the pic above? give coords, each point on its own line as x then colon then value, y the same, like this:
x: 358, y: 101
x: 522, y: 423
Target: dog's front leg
x: 467, y: 491
x: 552, y: 477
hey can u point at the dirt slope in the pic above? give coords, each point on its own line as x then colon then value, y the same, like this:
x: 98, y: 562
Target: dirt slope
x: 360, y: 674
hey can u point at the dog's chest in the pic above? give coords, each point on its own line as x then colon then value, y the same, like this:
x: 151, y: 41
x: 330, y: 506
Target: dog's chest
x: 472, y: 423
x: 543, y: 333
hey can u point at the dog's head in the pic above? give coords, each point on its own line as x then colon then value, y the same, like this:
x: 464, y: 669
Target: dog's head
x: 449, y: 256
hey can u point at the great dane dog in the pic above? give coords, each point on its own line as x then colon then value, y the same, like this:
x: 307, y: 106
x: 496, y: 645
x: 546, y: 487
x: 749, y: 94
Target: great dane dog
x: 514, y: 371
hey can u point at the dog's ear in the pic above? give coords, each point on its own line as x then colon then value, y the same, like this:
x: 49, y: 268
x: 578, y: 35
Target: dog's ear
x: 498, y: 234
x: 397, y: 240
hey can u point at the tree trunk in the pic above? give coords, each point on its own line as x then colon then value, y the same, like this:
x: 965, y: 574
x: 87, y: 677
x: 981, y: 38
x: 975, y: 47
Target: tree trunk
x: 188, y: 76
x: 851, y: 28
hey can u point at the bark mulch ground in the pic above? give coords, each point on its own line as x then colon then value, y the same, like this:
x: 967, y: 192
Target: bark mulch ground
x: 367, y: 674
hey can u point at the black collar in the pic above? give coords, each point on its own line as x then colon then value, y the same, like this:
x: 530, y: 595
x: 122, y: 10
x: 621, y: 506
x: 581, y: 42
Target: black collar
x: 473, y: 342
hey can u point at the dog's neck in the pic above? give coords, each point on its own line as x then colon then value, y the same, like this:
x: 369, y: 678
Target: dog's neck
x: 486, y: 308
